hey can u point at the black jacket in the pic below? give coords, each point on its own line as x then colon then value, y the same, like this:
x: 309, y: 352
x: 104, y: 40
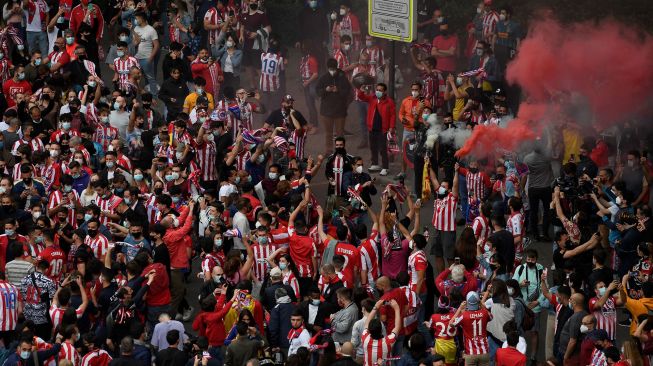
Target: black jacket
x: 345, y: 361
x: 334, y: 104
x: 180, y: 63
x: 330, y: 294
x: 173, y: 89
x: 171, y: 356
x: 323, y: 311
x: 269, y: 301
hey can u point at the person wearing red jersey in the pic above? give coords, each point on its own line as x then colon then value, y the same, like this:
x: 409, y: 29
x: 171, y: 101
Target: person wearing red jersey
x: 308, y: 72
x: 443, y: 332
x: 516, y: 227
x: 16, y: 86
x: 95, y: 240
x: 444, y: 219
x: 11, y: 306
x: 387, y: 316
x: 158, y: 293
x: 10, y: 235
x: 106, y: 200
x: 207, y: 68
x: 339, y: 246
x: 302, y: 248
x: 614, y: 358
x: 603, y: 307
x: 53, y: 255
x: 206, y: 153
x: 510, y: 356
x: 376, y: 347
x: 95, y: 356
x: 68, y: 351
x: 482, y: 226
x: 262, y: 250
x: 90, y: 14
x: 473, y: 317
x: 61, y: 301
x: 278, y: 231
x: 122, y: 65
x: 369, y: 252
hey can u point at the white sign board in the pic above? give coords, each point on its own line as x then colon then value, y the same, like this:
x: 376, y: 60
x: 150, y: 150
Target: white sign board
x: 392, y: 19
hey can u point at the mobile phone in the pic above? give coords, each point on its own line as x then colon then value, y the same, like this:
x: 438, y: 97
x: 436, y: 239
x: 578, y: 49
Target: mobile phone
x: 457, y: 260
x: 242, y: 296
x: 633, y: 273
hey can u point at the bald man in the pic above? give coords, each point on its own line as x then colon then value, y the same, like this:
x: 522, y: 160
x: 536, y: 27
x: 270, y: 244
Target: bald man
x: 346, y: 353
x: 571, y: 335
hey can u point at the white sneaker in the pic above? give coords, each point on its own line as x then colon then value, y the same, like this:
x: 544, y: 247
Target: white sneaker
x: 187, y: 314
x: 384, y: 172
x: 375, y: 168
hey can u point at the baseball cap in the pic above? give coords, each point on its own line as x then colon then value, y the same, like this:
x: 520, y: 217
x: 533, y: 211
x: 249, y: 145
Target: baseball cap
x: 472, y: 300
x: 287, y: 98
x: 275, y: 272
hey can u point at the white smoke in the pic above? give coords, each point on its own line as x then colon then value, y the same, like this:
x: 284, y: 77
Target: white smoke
x: 455, y: 136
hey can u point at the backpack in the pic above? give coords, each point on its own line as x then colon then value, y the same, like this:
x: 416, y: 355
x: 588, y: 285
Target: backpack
x: 528, y: 320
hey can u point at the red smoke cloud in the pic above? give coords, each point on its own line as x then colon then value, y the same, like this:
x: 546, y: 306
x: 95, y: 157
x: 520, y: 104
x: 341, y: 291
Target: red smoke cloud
x: 607, y: 65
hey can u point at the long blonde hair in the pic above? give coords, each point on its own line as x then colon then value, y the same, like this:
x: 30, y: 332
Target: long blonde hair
x: 632, y: 354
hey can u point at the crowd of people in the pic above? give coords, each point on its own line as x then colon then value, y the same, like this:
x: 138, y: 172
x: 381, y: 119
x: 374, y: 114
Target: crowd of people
x: 150, y: 149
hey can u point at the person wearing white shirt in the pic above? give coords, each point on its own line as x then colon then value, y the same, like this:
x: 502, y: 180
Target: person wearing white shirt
x: 298, y: 336
x: 240, y: 221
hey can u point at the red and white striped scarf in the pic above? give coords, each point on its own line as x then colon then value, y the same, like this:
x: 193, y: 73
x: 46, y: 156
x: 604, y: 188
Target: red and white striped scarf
x: 295, y: 333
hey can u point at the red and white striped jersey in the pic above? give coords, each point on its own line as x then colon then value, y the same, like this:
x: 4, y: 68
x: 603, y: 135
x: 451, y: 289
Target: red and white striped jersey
x: 226, y: 113
x: 434, y: 87
x: 108, y: 204
x: 68, y: 352
x: 213, y: 17
x: 606, y: 316
x: 57, y: 259
x: 56, y: 315
x: 152, y: 211
x: 290, y: 280
x: 261, y: 254
x: 15, y: 174
x: 104, y: 134
x: 211, y: 260
x: 478, y: 183
x: 280, y: 236
x: 58, y: 197
x: 298, y: 137
x: 5, y: 65
x: 444, y: 213
x: 58, y: 135
x: 98, y: 357
x: 60, y: 57
x: 242, y: 159
x: 341, y: 58
x: 411, y: 319
x: 338, y: 172
x: 122, y: 67
x: 124, y: 162
x: 376, y: 56
x: 32, y: 250
x: 474, y: 326
x: 302, y: 251
x: 271, y: 65
x: 51, y: 176
x: 442, y: 330
x: 598, y: 358
x: 205, y: 153
x: 417, y: 262
x: 35, y: 144
x: 375, y: 349
x: 308, y: 67
x: 369, y: 253
x: 99, y: 245
x: 481, y: 227
x: 9, y: 298
x: 490, y: 20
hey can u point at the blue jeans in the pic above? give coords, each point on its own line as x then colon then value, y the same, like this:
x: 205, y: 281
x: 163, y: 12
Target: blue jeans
x: 153, y: 313
x: 494, y: 346
x: 37, y: 41
x: 150, y: 75
x: 462, y: 193
x: 421, y: 328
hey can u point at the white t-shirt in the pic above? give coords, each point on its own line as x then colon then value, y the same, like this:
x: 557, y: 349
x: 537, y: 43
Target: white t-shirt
x: 147, y: 35
x: 35, y: 24
x: 521, y: 346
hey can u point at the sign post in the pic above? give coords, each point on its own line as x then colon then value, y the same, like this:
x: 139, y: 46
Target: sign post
x: 395, y: 20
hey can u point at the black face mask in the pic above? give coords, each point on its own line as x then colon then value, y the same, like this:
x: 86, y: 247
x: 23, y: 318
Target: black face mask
x: 253, y: 6
x: 147, y: 105
x: 598, y: 347
x: 499, y: 176
x: 27, y: 181
x: 7, y: 207
x: 158, y: 191
x: 473, y: 170
x: 341, y: 150
x: 137, y: 234
x: 72, y: 109
x: 531, y: 265
x: 91, y: 233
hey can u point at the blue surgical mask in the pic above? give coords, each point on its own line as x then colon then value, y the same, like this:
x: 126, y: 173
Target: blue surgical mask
x: 87, y: 217
x: 38, y: 239
x: 124, y: 38
x: 283, y: 266
x: 315, y: 302
x: 176, y: 199
x: 138, y: 177
x: 262, y: 240
x: 67, y: 189
x: 217, y: 242
x: 425, y: 116
x: 10, y: 232
x: 237, y: 180
x: 120, y: 53
x: 378, y: 94
x: 110, y: 164
x: 602, y: 291
x: 128, y: 201
x: 25, y: 354
x: 169, y: 178
x: 116, y: 105
x: 37, y: 62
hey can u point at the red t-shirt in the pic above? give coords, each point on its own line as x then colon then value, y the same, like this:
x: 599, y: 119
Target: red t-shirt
x: 302, y: 252
x: 398, y: 295
x: 441, y: 327
x: 159, y: 292
x: 510, y: 357
x: 11, y: 88
x: 352, y: 258
x: 448, y: 63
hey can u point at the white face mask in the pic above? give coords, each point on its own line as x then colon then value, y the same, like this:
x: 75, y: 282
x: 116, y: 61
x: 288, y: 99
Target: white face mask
x: 478, y: 10
x: 584, y: 329
x: 411, y: 244
x: 343, y: 12
x: 368, y: 44
x: 442, y: 191
x: 618, y: 201
x: 273, y: 175
x: 414, y: 93
x: 333, y: 16
x: 346, y: 47
x: 502, y: 17
x: 359, y: 169
x: 332, y: 72
x: 510, y: 291
x: 229, y: 44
